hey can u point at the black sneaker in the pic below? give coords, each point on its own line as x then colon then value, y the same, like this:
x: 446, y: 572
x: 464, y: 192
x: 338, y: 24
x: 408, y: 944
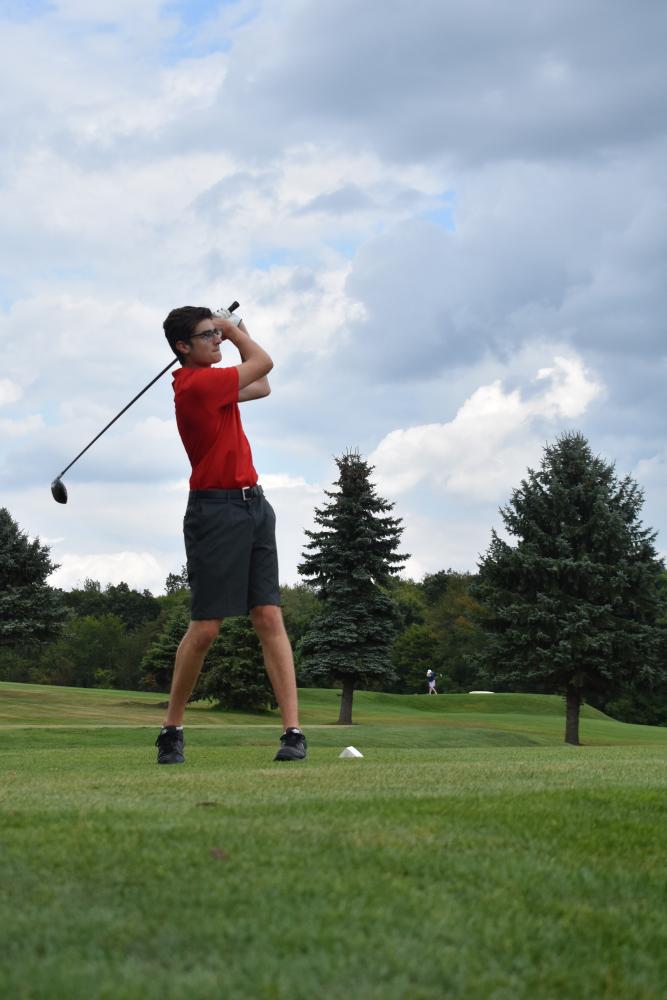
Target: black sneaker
x: 292, y: 745
x: 170, y: 745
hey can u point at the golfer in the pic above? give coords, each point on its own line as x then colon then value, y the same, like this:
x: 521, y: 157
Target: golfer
x: 430, y: 677
x: 229, y: 525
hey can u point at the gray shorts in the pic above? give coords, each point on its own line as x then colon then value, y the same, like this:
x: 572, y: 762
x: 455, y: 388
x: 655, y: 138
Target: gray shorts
x: 230, y: 544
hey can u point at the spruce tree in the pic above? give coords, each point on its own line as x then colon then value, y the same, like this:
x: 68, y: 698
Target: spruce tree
x: 157, y: 664
x: 234, y: 674
x: 31, y: 612
x: 573, y: 605
x: 349, y: 561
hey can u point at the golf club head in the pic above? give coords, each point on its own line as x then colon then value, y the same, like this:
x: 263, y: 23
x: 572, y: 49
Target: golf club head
x: 58, y: 491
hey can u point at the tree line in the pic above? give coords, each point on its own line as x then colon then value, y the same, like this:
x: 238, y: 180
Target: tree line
x: 573, y: 602
x: 120, y: 637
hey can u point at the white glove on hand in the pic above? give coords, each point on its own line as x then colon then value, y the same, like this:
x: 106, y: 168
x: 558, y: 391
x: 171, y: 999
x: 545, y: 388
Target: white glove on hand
x: 226, y: 314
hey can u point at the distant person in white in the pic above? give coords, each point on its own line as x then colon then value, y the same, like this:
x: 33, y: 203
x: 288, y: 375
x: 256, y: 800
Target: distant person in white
x: 430, y: 677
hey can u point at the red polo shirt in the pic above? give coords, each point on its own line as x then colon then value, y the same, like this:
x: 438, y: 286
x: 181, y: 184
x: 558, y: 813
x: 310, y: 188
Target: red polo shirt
x: 209, y: 423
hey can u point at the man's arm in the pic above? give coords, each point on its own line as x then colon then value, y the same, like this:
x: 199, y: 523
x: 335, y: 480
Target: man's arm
x: 256, y: 390
x: 255, y: 362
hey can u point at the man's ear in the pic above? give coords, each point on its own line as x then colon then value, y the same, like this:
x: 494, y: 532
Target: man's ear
x: 183, y: 346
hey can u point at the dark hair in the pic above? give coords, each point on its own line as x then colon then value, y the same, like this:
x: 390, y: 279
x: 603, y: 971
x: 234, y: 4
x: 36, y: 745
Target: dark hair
x: 181, y: 323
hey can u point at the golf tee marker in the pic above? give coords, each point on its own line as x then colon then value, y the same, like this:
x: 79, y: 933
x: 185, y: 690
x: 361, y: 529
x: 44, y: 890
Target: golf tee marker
x: 350, y: 752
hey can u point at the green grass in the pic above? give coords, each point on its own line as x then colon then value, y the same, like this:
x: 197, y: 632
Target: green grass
x: 386, y: 719
x: 469, y: 854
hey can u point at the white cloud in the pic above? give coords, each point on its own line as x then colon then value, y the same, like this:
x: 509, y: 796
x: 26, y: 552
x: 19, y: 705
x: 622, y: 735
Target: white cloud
x: 138, y: 569
x: 436, y: 542
x: 21, y: 428
x: 484, y: 450
x: 472, y: 80
x: 404, y: 234
x: 10, y: 392
x: 572, y: 390
x: 284, y: 481
x: 294, y: 500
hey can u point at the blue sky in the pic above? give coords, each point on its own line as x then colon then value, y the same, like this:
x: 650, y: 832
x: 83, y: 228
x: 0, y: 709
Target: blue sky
x: 447, y: 225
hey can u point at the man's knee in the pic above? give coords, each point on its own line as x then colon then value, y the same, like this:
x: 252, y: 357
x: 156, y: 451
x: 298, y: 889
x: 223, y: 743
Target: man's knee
x: 202, y: 634
x: 267, y: 620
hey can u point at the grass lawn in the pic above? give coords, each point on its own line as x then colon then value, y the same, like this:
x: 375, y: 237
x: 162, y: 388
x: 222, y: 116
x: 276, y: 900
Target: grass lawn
x: 469, y: 854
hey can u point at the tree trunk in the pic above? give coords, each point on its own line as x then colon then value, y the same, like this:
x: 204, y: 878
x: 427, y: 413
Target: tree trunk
x: 345, y: 717
x: 572, y: 706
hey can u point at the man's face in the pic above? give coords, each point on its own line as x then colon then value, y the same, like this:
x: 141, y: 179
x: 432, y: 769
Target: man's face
x: 203, y: 348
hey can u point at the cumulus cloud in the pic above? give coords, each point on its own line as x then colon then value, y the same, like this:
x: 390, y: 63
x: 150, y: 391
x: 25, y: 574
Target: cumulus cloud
x: 474, y: 81
x: 483, y: 451
x: 277, y: 482
x: 417, y: 216
x: 21, y: 428
x: 10, y: 392
x: 138, y: 569
x: 536, y: 251
x: 435, y: 542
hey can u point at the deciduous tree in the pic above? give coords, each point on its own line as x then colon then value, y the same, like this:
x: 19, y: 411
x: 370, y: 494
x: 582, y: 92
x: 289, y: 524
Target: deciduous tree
x: 176, y: 582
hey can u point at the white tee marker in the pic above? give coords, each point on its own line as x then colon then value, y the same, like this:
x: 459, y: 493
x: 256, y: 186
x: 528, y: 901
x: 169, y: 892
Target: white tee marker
x: 350, y: 752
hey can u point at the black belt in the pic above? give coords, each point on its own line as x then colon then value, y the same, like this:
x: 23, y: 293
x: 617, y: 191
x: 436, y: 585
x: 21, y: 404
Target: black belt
x: 246, y: 493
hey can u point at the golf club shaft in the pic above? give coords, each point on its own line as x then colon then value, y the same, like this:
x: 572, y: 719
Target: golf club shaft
x: 90, y: 443
x: 171, y: 364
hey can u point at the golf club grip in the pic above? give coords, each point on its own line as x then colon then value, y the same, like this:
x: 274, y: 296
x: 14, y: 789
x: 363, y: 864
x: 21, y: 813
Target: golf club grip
x: 171, y: 364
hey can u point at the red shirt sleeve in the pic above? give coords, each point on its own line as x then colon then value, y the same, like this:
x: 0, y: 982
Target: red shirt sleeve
x: 215, y: 387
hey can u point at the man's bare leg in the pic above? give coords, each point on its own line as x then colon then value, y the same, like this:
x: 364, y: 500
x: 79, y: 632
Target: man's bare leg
x: 267, y: 620
x: 190, y: 657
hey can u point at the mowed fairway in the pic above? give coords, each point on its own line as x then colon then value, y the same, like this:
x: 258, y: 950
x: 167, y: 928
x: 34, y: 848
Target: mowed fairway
x: 469, y: 854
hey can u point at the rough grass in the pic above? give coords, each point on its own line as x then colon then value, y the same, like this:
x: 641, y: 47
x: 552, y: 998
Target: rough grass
x: 426, y: 870
x: 410, y: 720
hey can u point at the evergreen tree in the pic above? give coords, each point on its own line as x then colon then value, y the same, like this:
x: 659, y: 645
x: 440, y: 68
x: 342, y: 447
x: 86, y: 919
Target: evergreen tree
x: 299, y: 607
x: 638, y: 703
x: 31, y: 612
x: 573, y: 605
x: 349, y: 561
x: 157, y: 664
x: 234, y: 674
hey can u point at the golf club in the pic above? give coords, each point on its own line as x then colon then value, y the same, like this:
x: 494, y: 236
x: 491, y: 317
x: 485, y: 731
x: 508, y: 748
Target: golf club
x: 58, y: 489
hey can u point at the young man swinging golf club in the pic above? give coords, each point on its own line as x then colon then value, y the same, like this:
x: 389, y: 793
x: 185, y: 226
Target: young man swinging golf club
x: 229, y: 525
